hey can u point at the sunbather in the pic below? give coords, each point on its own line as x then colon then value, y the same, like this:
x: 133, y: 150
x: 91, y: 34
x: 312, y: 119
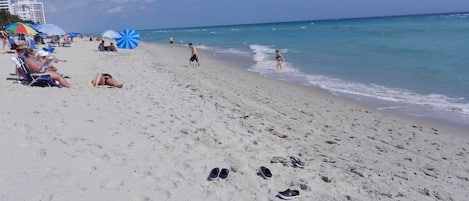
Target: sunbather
x: 105, y: 79
x: 50, y: 60
x: 36, y: 66
x: 112, y: 47
x: 101, y: 46
x: 56, y: 40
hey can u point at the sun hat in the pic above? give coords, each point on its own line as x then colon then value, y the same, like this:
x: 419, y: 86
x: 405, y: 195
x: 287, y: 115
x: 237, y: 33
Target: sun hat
x: 21, y: 46
x: 42, y: 53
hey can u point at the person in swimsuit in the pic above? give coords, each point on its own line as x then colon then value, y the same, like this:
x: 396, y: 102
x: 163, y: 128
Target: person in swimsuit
x: 171, y: 41
x: 101, y: 46
x: 4, y: 37
x: 105, y: 79
x: 279, y: 59
x: 112, y: 48
x: 194, y: 56
x: 36, y: 67
x: 50, y: 60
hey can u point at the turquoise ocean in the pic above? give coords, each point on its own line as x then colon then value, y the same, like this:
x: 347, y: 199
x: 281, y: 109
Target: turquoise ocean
x: 413, y: 65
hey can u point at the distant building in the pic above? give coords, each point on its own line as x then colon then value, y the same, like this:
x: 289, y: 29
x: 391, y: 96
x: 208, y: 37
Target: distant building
x: 5, y: 5
x: 28, y: 10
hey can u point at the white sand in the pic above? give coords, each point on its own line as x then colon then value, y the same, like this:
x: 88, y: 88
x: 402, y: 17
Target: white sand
x: 159, y: 136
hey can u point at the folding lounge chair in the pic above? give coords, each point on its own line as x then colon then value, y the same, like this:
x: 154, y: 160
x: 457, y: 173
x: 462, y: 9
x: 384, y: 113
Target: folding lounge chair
x: 66, y: 43
x: 33, y: 79
x: 48, y: 49
x: 32, y: 44
x: 13, y: 44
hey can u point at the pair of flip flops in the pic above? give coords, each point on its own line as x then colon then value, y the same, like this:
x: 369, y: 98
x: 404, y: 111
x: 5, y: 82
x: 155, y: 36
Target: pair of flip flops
x: 218, y: 173
x: 296, y: 162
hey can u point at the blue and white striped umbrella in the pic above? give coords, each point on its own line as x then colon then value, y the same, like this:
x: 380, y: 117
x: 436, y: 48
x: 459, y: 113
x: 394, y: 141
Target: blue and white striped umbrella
x: 129, y: 39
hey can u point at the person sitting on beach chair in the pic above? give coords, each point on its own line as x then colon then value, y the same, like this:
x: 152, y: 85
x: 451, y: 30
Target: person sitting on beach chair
x: 102, y: 79
x: 36, y: 67
x: 67, y: 41
x: 13, y: 45
x: 49, y: 60
x: 54, y: 41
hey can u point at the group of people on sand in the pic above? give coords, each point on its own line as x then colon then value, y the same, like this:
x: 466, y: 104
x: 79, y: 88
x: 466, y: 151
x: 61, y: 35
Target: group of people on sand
x: 195, y: 59
x: 103, y: 48
x: 40, y: 61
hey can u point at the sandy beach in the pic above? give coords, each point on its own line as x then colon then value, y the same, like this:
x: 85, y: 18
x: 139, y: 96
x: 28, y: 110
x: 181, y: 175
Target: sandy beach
x: 159, y: 136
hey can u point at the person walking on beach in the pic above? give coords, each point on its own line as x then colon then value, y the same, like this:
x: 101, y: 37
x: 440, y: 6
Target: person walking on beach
x: 171, y: 41
x: 279, y: 59
x: 194, y: 56
x: 4, y: 37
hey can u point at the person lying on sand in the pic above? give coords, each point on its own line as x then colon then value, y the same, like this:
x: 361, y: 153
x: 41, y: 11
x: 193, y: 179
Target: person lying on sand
x: 105, y: 79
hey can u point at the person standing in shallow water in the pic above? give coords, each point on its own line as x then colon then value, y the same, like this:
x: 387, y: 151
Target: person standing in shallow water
x: 171, y: 41
x: 279, y: 59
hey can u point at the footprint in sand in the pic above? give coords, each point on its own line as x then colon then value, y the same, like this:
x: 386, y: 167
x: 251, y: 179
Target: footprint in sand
x: 141, y: 198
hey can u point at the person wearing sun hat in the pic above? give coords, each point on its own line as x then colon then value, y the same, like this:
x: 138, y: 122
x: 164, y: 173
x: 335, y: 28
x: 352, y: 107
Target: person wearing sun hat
x: 35, y: 66
x: 42, y: 53
x: 50, y: 59
x: 20, y: 49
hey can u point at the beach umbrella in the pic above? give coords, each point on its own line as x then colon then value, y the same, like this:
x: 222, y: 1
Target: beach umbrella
x: 34, y: 26
x: 50, y: 29
x: 110, y: 34
x: 129, y: 39
x: 20, y: 28
x: 73, y: 34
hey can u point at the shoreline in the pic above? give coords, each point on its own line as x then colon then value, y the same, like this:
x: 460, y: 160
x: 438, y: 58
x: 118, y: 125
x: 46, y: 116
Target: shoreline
x: 415, y: 111
x: 159, y: 136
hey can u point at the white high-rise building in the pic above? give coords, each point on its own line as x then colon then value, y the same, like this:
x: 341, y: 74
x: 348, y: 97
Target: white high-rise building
x: 5, y: 5
x: 28, y: 10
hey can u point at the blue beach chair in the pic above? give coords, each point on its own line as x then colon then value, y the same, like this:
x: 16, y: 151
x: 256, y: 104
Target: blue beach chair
x: 32, y: 44
x: 49, y: 49
x: 33, y: 79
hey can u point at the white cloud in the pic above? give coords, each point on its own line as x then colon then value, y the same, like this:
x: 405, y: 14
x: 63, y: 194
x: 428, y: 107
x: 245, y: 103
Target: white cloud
x: 114, y: 10
x: 52, y: 9
x: 123, y: 1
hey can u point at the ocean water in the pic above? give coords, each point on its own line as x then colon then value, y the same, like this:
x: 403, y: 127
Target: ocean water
x: 415, y: 65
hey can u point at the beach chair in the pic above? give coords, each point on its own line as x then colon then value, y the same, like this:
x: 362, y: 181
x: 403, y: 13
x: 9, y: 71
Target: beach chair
x: 67, y: 44
x: 13, y: 44
x: 48, y: 49
x: 32, y: 79
x: 32, y: 44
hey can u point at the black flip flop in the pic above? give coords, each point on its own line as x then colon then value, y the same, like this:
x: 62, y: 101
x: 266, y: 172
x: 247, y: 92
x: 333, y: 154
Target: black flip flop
x: 213, y: 174
x: 265, y: 172
x: 224, y: 173
x: 288, y: 194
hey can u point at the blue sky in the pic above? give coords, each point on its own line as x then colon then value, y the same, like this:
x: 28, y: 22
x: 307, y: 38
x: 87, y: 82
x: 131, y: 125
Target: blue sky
x: 100, y: 15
